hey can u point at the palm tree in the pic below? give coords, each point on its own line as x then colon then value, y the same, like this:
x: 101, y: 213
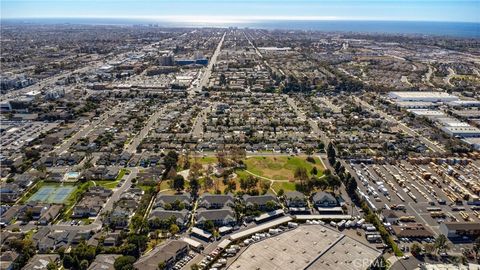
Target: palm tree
x: 441, y: 243
x: 476, y: 247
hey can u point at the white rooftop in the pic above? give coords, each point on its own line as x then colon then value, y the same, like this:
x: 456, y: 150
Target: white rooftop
x: 404, y: 94
x: 306, y: 247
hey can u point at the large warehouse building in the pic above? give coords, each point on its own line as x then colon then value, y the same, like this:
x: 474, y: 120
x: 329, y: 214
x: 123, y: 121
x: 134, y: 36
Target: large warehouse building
x: 422, y: 96
x: 307, y: 247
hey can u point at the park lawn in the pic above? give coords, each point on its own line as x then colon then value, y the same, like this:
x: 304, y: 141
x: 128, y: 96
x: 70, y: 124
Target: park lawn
x: 164, y: 185
x: 241, y: 174
x: 107, y: 184
x: 286, y: 186
x: 281, y: 167
x: 145, y: 187
x: 205, y: 160
x: 218, y: 181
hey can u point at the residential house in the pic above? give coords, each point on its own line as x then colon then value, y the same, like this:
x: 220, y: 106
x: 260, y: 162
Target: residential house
x: 168, y: 253
x: 55, y: 240
x: 219, y: 217
x: 9, y: 215
x: 296, y: 202
x: 124, y: 209
x: 40, y: 261
x: 260, y: 201
x: 10, y: 192
x: 324, y: 199
x: 182, y: 217
x: 163, y: 199
x: 111, y: 239
x: 92, y: 202
x: 104, y: 262
x: 7, y: 259
x: 215, y: 201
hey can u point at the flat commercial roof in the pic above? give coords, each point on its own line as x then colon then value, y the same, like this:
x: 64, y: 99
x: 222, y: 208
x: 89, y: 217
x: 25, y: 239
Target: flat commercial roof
x: 452, y: 122
x: 421, y: 94
x: 305, y: 248
x: 270, y: 215
x: 201, y: 233
x: 463, y: 130
x: 306, y: 217
x: 192, y: 242
x: 425, y: 112
x: 346, y: 254
x: 224, y: 243
x: 259, y: 228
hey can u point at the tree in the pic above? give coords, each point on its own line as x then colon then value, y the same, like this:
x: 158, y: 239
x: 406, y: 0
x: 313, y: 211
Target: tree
x: 170, y: 160
x: 88, y: 164
x: 195, y: 267
x: 208, y: 225
x: 174, y: 229
x: 331, y: 154
x: 162, y: 266
x: 351, y: 186
x: 178, y: 182
x: 415, y: 249
x: 476, y: 247
x: 314, y: 171
x: 440, y: 243
x: 321, y: 146
x: 32, y: 154
x: 222, y: 159
x: 195, y: 170
x: 51, y: 266
x: 123, y: 262
x: 333, y: 182
x: 194, y: 186
x: 270, y: 206
x: 301, y: 174
x: 84, y: 265
x: 238, y: 154
x: 281, y: 192
x: 68, y: 261
x: 429, y: 248
x: 207, y: 183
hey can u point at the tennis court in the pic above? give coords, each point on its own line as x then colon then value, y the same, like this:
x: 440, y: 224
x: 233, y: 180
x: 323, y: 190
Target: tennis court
x: 52, y: 194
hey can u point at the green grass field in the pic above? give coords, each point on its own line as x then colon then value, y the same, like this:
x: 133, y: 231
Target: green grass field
x: 286, y: 186
x: 281, y: 167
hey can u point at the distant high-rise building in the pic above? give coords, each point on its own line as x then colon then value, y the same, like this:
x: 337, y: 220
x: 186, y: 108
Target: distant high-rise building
x: 198, y: 55
x: 166, y: 59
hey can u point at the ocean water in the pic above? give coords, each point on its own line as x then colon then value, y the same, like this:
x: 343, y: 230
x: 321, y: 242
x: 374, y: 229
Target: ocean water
x: 452, y: 29
x: 455, y: 29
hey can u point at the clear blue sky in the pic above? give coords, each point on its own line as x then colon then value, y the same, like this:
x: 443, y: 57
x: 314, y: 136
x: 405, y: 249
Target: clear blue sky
x: 423, y: 10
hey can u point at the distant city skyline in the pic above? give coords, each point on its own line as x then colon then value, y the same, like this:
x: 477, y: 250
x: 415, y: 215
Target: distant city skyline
x: 217, y: 11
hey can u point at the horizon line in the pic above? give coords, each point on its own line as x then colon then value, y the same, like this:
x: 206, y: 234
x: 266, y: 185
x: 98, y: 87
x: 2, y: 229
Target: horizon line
x: 234, y: 19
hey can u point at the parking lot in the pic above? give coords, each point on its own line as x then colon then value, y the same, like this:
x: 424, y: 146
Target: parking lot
x: 424, y: 193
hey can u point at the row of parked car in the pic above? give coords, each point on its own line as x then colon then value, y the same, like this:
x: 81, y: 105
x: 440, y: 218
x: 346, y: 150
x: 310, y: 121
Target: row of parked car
x: 181, y: 263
